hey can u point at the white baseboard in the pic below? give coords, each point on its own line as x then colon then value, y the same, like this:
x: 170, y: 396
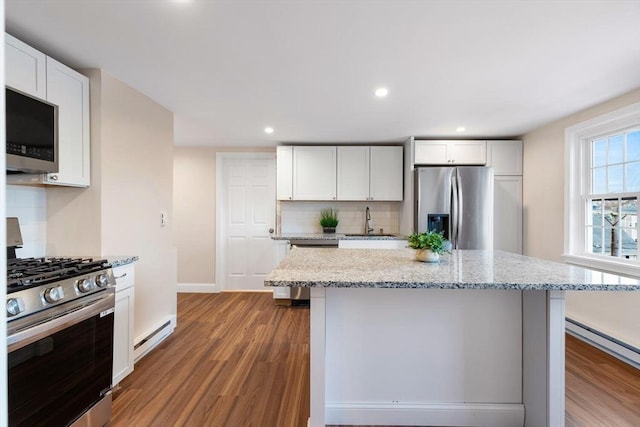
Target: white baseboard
x: 150, y: 340
x: 617, y: 349
x: 440, y: 414
x: 202, y: 288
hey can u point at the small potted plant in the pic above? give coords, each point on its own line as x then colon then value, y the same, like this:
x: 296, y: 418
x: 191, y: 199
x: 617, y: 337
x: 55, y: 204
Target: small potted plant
x: 429, y: 245
x: 329, y: 220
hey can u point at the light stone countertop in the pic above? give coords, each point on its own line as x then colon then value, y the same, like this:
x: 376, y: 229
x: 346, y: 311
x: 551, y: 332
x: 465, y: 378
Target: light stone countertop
x: 335, y: 236
x: 462, y: 269
x: 118, y: 261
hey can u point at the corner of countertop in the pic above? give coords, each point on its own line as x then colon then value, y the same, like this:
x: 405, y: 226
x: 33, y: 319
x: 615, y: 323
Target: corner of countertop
x: 119, y: 261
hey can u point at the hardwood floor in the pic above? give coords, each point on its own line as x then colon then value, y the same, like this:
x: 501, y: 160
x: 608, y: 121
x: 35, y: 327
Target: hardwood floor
x: 234, y: 360
x: 237, y: 360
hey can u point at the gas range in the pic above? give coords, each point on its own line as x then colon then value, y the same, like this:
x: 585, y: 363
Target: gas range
x: 38, y: 284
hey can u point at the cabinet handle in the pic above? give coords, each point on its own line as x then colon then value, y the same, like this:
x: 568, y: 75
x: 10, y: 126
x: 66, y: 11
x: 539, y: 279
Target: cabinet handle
x: 53, y: 177
x: 120, y: 277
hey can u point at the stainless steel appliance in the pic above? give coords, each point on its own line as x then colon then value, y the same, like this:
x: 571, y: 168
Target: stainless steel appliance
x: 60, y: 314
x: 32, y: 133
x: 458, y: 201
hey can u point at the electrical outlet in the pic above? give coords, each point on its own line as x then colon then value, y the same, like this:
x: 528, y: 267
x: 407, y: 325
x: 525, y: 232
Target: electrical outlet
x: 163, y: 219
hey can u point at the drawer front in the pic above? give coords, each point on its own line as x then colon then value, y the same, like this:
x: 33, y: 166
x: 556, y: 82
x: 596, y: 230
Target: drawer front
x: 125, y: 276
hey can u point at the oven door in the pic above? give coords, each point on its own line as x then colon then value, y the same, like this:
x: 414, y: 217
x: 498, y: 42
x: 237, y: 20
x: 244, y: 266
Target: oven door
x: 60, y: 362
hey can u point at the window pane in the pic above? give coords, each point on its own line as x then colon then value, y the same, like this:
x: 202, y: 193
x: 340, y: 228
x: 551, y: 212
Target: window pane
x: 633, y: 146
x: 632, y: 171
x: 599, y: 181
x: 615, y: 149
x: 615, y: 179
x: 596, y: 236
x: 596, y: 213
x: 599, y: 152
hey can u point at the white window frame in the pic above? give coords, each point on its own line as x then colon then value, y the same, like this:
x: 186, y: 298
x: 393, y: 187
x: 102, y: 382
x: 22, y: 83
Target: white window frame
x: 577, y: 181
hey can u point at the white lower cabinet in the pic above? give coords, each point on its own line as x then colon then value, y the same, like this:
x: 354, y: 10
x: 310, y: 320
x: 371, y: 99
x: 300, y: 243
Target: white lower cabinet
x: 123, y: 340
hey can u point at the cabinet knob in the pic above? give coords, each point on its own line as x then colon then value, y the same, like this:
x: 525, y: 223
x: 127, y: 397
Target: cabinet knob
x: 271, y: 231
x: 290, y: 197
x: 53, y: 177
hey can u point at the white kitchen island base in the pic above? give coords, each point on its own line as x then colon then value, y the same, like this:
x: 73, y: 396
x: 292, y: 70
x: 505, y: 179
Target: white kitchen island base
x: 436, y: 357
x: 474, y: 340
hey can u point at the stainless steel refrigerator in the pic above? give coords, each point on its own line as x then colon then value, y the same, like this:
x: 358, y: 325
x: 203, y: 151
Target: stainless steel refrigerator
x: 458, y: 201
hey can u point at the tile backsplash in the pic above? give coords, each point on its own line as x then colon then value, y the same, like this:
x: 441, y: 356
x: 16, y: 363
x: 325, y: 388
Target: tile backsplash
x: 29, y: 205
x: 304, y: 217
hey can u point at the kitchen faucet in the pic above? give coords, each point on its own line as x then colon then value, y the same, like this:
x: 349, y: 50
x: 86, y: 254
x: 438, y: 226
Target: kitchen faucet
x: 367, y: 218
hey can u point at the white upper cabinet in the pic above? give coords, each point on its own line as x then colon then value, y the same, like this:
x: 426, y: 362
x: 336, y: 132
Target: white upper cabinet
x: 70, y: 91
x: 450, y: 152
x: 505, y: 157
x: 35, y: 73
x: 340, y: 173
x: 314, y: 173
x: 284, y: 171
x: 353, y: 173
x: 386, y: 173
x: 25, y: 68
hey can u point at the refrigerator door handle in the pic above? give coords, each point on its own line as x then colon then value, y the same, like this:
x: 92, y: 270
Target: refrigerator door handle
x: 454, y: 210
x: 459, y: 207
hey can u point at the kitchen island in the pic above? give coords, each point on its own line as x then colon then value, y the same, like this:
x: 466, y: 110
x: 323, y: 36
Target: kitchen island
x: 475, y: 340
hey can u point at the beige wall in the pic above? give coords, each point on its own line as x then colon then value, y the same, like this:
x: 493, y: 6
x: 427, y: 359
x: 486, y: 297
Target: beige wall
x: 544, y: 168
x: 131, y: 184
x: 194, y: 206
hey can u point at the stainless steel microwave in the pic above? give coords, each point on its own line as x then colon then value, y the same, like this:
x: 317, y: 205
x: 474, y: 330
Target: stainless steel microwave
x: 32, y: 133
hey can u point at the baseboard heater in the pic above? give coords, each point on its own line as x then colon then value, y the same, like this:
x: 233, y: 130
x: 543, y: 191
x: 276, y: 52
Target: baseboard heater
x: 149, y: 342
x: 619, y: 349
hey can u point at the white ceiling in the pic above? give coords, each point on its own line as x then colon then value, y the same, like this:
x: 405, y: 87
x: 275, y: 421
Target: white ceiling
x: 308, y: 68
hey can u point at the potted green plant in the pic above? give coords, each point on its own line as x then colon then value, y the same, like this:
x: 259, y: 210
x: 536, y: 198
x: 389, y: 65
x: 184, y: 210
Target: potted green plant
x: 429, y: 245
x: 329, y: 220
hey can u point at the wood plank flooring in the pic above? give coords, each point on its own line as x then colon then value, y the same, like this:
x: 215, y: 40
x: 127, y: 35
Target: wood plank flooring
x: 237, y: 360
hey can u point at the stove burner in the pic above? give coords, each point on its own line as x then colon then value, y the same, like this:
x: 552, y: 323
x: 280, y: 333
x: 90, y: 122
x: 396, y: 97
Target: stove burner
x: 24, y: 273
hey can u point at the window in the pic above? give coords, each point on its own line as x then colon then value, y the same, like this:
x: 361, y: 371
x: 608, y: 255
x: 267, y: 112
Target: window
x: 602, y: 191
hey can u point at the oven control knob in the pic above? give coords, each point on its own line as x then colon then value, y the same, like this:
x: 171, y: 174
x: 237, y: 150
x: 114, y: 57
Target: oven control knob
x: 54, y: 294
x: 84, y: 285
x: 102, y: 280
x: 14, y: 306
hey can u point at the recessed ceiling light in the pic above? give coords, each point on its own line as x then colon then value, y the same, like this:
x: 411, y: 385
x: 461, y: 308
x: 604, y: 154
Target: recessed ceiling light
x: 381, y: 92
x: 460, y: 129
x: 268, y: 129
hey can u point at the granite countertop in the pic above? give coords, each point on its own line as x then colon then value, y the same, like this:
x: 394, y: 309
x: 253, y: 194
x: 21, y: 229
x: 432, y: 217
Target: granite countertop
x: 336, y: 236
x: 462, y: 269
x: 118, y: 261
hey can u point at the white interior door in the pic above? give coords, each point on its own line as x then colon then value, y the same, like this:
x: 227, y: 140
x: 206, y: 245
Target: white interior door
x: 248, y: 194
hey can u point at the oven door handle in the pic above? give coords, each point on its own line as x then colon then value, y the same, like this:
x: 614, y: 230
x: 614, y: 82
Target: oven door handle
x: 30, y: 333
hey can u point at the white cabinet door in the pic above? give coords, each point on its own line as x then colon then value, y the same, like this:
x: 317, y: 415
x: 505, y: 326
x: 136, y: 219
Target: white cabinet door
x: 386, y: 174
x: 314, y: 173
x: 431, y: 152
x: 282, y: 249
x: 450, y: 152
x: 284, y: 173
x: 25, y: 68
x: 505, y: 157
x: 70, y: 91
x: 123, y: 335
x: 353, y: 173
x: 468, y: 152
x: 507, y: 228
